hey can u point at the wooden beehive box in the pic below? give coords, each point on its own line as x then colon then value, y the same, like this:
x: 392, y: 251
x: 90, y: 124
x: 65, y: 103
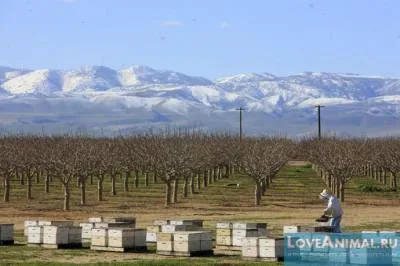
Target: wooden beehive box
x: 100, y: 237
x: 121, y: 237
x: 151, y: 234
x: 170, y: 228
x: 165, y: 241
x: 161, y: 222
x: 271, y: 247
x: 35, y: 234
x: 29, y: 223
x: 55, y: 235
x: 198, y: 223
x: 86, y: 230
x: 95, y: 219
x: 239, y: 234
x: 140, y: 237
x: 224, y: 240
x: 289, y: 229
x: 224, y: 225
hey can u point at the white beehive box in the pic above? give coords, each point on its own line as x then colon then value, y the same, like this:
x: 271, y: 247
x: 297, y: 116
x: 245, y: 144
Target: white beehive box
x: 187, y: 246
x: 121, y: 237
x: 250, y: 242
x: 74, y: 235
x: 170, y: 228
x: 239, y: 235
x: 224, y: 225
x: 271, y: 248
x: 41, y: 223
x: 250, y: 251
x: 29, y: 223
x: 165, y: 236
x: 55, y: 235
x: 187, y: 222
x: 6, y: 232
x: 140, y: 237
x: 151, y: 235
x: 95, y: 219
x: 288, y: 229
x: 243, y: 226
x: 160, y: 222
x: 35, y: 234
x: 86, y: 230
x: 165, y: 245
x: 187, y: 236
x: 100, y: 237
x: 224, y: 240
x: 223, y: 232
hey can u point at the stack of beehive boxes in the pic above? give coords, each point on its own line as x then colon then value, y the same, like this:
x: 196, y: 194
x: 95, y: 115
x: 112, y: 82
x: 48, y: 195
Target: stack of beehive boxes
x: 184, y: 243
x: 87, y: 228
x: 118, y: 239
x: 262, y: 247
x: 6, y: 234
x: 170, y: 226
x: 27, y: 224
x: 53, y: 234
x: 224, y: 234
x: 243, y: 230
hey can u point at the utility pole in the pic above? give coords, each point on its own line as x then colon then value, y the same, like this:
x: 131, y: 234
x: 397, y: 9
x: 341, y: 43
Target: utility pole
x: 241, y: 109
x: 319, y: 119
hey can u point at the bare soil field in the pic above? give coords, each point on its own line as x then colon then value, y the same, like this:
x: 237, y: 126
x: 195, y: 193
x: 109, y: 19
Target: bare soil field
x: 291, y: 200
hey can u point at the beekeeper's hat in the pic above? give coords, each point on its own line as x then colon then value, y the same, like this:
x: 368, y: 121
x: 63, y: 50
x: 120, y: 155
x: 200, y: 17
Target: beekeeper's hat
x: 324, y: 194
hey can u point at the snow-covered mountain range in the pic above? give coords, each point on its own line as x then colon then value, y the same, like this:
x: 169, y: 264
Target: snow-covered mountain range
x: 101, y: 99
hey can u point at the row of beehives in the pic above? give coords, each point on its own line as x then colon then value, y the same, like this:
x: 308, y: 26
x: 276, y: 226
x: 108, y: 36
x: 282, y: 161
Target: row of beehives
x: 232, y: 234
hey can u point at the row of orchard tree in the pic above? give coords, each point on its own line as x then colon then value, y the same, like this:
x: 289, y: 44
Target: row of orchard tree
x: 173, y: 158
x: 187, y: 159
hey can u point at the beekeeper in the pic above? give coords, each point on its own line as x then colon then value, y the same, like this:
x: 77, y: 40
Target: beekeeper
x: 333, y: 210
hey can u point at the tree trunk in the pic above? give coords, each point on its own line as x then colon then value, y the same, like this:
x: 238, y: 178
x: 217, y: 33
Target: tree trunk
x: 22, y: 178
x: 113, y: 191
x: 91, y: 179
x: 394, y: 180
x: 146, y: 179
x: 100, y: 190
x: 342, y: 191
x: 83, y: 191
x: 209, y: 179
x: 385, y: 178
x: 136, y: 178
x: 6, y: 195
x: 37, y: 177
x: 168, y: 190
x: 205, y: 179
x: 29, y: 186
x: 192, y: 184
x: 126, y: 181
x: 47, y: 183
x: 198, y: 182
x: 67, y: 196
x: 175, y: 191
x: 154, y: 178
x: 257, y: 193
x: 185, y: 187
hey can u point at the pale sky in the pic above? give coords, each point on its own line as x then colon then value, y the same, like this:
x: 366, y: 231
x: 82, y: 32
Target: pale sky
x: 209, y: 38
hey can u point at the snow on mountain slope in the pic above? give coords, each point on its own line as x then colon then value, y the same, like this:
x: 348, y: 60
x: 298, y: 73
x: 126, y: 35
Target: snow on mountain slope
x: 137, y: 75
x: 39, y: 81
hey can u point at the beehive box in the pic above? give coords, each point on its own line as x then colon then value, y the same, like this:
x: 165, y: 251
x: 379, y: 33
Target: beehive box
x: 165, y: 236
x: 244, y: 226
x: 262, y: 232
x: 95, y: 219
x: 114, y: 225
x: 55, y: 235
x: 35, y: 234
x: 198, y: 223
x: 6, y: 232
x: 74, y: 235
x: 271, y: 248
x: 161, y: 222
x: 139, y: 237
x: 29, y: 223
x: 151, y: 234
x: 224, y: 240
x: 121, y: 237
x: 187, y: 236
x: 57, y: 223
x: 250, y: 242
x: 250, y: 251
x: 223, y: 232
x: 224, y: 225
x: 187, y: 246
x: 239, y: 234
x: 289, y: 229
x: 165, y: 245
x: 100, y: 237
x: 87, y: 230
x: 127, y: 220
x: 170, y: 228
x: 206, y: 245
